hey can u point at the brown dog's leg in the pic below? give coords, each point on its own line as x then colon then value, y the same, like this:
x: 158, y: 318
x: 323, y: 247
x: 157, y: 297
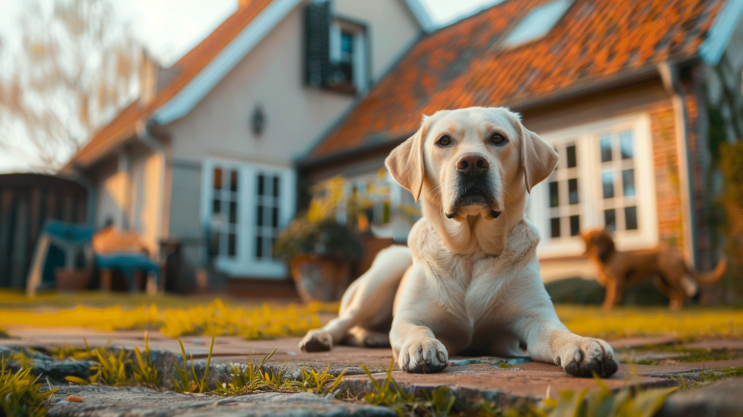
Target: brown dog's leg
x: 611, y: 294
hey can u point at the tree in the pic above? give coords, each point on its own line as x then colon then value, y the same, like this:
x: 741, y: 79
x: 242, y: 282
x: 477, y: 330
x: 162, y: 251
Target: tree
x: 75, y: 66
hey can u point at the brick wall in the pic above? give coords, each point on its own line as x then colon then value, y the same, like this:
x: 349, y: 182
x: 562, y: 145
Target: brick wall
x: 667, y: 181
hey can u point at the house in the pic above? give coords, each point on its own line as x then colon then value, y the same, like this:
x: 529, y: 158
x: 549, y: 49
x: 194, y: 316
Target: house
x: 635, y: 96
x: 205, y: 156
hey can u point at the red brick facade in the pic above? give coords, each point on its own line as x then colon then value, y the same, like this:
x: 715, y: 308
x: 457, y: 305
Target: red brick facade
x: 667, y: 180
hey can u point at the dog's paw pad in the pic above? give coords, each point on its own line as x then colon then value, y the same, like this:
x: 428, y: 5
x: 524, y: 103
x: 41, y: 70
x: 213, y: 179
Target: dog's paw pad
x: 589, y: 356
x: 316, y: 341
x: 423, y: 356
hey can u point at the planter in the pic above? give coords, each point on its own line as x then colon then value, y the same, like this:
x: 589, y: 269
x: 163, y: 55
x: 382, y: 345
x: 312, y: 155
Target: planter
x: 72, y: 280
x: 320, y: 278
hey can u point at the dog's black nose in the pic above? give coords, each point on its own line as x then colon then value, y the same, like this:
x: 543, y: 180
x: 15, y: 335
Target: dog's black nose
x: 472, y: 164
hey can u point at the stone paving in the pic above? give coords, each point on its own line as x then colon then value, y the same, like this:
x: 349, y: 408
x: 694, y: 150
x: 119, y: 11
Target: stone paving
x: 470, y: 379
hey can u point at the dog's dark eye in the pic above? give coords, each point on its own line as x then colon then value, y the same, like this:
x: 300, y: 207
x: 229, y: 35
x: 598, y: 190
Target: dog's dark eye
x: 444, y: 141
x: 498, y: 139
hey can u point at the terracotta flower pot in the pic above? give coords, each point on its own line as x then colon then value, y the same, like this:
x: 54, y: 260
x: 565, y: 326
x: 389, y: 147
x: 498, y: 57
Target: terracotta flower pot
x: 71, y: 280
x: 319, y: 278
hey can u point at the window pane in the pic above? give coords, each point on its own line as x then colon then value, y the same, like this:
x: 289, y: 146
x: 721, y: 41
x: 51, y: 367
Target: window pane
x: 572, y: 161
x: 573, y: 191
x: 275, y: 186
x: 275, y: 218
x: 607, y: 179
x: 260, y: 184
x: 605, y: 148
x: 628, y: 182
x: 217, y: 179
x: 626, y: 145
x: 346, y: 47
x: 554, y: 194
x: 233, y: 181
x: 273, y: 243
x: 574, y: 225
x: 555, y: 227
x: 630, y: 218
x: 233, y: 212
x: 259, y: 247
x: 259, y: 216
x: 231, y: 245
x: 216, y: 207
x: 610, y: 219
x: 214, y: 244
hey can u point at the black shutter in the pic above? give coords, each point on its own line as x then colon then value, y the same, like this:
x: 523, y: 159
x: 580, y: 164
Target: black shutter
x: 317, y: 44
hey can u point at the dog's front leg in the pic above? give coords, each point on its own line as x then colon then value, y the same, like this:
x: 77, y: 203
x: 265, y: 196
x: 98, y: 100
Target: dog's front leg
x: 416, y: 349
x: 548, y: 340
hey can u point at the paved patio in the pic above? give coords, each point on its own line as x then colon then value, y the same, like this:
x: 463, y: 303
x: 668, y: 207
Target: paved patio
x: 471, y: 379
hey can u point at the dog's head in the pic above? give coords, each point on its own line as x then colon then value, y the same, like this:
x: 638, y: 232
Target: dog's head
x: 599, y: 243
x: 469, y: 161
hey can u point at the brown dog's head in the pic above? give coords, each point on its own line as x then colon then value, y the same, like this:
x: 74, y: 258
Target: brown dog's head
x: 599, y: 243
x: 468, y: 161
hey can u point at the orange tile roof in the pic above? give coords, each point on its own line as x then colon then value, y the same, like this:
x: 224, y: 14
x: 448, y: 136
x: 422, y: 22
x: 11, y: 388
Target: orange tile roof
x: 464, y: 64
x: 123, y: 125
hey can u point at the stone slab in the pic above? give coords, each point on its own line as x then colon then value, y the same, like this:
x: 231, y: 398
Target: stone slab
x: 138, y: 401
x: 634, y: 342
x: 723, y: 398
x: 716, y: 344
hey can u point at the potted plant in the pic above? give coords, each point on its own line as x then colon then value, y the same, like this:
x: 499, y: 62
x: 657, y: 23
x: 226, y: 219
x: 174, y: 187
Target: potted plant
x: 319, y: 248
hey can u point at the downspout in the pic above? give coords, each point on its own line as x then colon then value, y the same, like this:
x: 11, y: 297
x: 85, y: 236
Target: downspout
x: 670, y: 75
x: 144, y: 134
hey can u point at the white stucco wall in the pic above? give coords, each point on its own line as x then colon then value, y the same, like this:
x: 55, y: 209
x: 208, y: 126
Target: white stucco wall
x: 272, y: 75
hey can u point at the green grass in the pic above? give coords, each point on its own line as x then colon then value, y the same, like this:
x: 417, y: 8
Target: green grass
x: 190, y: 382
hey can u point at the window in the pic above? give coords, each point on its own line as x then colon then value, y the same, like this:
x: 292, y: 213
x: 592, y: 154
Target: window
x: 537, y: 22
x: 267, y: 214
x: 564, y: 194
x: 244, y: 208
x: 335, y: 51
x: 224, y: 213
x: 619, y: 195
x: 605, y: 178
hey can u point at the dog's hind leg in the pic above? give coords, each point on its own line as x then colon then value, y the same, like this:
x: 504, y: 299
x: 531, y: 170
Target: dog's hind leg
x: 367, y: 303
x: 360, y: 337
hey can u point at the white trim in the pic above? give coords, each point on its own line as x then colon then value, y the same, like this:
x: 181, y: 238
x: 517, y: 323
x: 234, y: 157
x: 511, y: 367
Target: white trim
x: 721, y: 32
x: 421, y: 15
x: 589, y: 167
x: 190, y: 95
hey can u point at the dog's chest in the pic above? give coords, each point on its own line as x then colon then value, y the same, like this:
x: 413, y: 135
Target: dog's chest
x: 470, y: 284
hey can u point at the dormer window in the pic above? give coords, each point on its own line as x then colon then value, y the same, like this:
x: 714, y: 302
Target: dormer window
x: 335, y: 51
x: 537, y: 23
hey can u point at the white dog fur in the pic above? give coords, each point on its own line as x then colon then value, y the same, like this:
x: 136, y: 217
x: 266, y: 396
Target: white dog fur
x: 469, y: 282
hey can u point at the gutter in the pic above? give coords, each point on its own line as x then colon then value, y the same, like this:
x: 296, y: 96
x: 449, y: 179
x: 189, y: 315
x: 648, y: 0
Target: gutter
x: 670, y: 75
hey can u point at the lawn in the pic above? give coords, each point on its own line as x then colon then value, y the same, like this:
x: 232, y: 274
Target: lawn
x: 190, y: 315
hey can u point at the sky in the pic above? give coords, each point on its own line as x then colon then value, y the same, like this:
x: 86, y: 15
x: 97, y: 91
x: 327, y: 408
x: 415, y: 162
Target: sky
x: 170, y: 28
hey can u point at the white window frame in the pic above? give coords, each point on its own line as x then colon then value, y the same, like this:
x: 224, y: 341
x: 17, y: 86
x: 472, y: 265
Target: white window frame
x: 587, y: 137
x: 360, y: 77
x: 245, y: 264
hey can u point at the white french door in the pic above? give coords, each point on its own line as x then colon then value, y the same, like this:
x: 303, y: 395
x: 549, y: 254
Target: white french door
x: 244, y: 206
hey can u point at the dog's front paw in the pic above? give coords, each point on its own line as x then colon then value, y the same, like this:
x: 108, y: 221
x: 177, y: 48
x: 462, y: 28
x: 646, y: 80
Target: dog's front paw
x: 316, y: 341
x: 584, y: 356
x: 424, y: 355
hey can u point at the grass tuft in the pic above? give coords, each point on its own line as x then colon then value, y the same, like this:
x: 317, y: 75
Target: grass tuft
x: 143, y: 371
x: 20, y: 392
x: 189, y: 382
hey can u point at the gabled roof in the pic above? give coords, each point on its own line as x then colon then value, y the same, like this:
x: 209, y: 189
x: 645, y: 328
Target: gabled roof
x: 199, y: 70
x: 466, y: 65
x: 186, y: 69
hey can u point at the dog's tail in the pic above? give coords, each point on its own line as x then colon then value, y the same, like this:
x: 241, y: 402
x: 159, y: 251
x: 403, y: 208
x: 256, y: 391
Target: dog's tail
x: 709, y: 278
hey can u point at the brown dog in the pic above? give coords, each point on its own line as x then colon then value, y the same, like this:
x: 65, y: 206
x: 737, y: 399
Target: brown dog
x: 619, y: 269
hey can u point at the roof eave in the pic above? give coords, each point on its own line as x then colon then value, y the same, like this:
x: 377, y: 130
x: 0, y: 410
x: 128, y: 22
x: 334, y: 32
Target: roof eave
x: 722, y: 30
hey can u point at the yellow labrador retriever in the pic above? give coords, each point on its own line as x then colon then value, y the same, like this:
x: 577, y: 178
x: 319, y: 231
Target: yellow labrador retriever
x: 469, y: 282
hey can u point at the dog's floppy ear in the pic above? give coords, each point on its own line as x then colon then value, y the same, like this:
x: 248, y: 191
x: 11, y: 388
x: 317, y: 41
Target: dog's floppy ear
x: 538, y: 158
x: 406, y: 164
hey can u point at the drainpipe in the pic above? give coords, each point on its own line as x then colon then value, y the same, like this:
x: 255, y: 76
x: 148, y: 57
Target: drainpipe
x: 144, y: 134
x: 670, y: 75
